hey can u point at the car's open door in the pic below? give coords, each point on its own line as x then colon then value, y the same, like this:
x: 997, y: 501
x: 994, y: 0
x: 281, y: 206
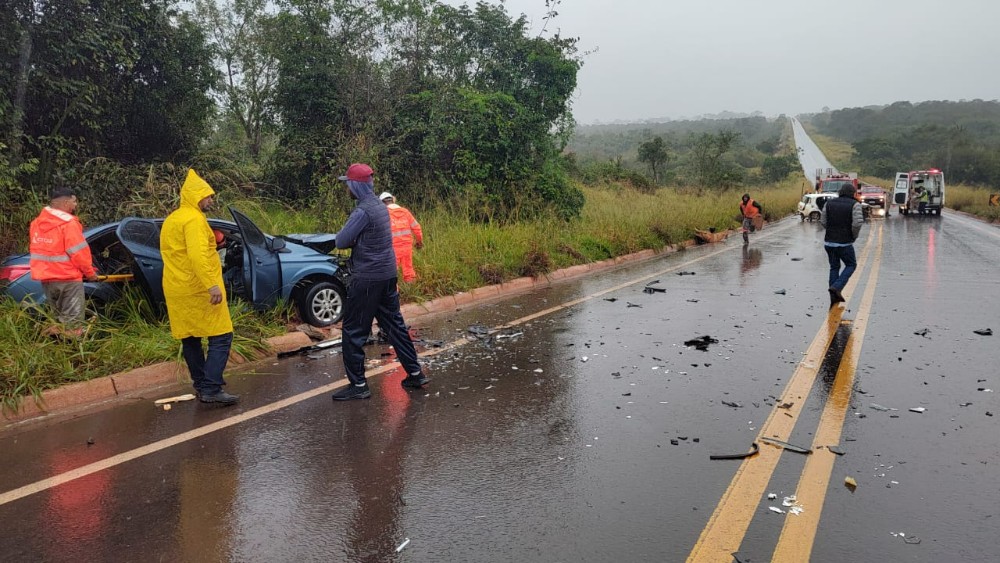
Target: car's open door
x: 142, y: 238
x: 262, y: 268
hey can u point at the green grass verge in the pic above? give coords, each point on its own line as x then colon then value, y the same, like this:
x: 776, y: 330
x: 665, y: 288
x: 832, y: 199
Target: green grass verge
x: 459, y: 255
x: 122, y: 337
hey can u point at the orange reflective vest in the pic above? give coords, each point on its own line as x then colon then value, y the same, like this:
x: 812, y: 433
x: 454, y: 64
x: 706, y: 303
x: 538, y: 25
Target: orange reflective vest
x: 405, y: 229
x: 748, y: 209
x: 58, y: 250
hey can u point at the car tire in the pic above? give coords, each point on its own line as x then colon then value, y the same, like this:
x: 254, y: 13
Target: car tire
x: 322, y: 304
x: 814, y: 216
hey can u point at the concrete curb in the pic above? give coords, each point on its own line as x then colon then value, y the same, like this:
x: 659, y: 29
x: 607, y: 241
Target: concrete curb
x: 136, y: 382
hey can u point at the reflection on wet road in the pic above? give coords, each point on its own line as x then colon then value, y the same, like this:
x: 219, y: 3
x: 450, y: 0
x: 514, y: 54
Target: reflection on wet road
x: 584, y: 438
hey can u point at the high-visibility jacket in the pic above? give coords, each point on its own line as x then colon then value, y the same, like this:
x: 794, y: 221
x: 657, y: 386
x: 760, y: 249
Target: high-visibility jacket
x: 191, y: 266
x: 58, y: 250
x: 749, y: 209
x: 405, y: 228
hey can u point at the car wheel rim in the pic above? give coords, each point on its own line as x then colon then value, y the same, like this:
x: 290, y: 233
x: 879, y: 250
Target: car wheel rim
x: 326, y: 305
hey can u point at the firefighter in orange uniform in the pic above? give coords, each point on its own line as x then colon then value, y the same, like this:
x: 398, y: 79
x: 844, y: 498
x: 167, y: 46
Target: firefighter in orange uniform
x: 406, y: 234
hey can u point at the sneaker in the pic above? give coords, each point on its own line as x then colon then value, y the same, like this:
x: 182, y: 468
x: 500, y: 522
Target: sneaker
x: 353, y: 392
x: 222, y: 398
x: 416, y: 381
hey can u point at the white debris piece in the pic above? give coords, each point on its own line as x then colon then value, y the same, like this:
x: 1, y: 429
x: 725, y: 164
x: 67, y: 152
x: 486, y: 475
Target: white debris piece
x: 917, y: 409
x: 776, y: 509
x: 788, y: 501
x: 771, y: 496
x: 402, y: 545
x: 584, y: 359
x: 538, y: 370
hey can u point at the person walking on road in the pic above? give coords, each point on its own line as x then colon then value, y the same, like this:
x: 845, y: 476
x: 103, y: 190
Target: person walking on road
x: 195, y: 292
x: 406, y: 233
x: 842, y: 218
x: 372, y: 292
x: 753, y: 217
x: 61, y: 259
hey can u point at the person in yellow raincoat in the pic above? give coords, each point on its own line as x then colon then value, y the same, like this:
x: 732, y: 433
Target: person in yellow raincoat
x: 194, y: 290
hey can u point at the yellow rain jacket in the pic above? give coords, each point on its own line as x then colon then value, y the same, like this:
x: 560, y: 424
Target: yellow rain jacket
x: 191, y: 266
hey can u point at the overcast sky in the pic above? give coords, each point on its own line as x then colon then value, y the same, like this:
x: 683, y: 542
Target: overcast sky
x: 682, y: 58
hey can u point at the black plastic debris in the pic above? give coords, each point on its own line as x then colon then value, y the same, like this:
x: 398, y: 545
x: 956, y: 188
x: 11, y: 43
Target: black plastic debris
x: 685, y: 273
x: 984, y: 332
x: 692, y: 300
x: 627, y: 394
x: 796, y: 259
x: 732, y: 404
x: 754, y: 448
x: 786, y: 445
x: 611, y: 299
x: 923, y: 332
x: 785, y: 405
x: 674, y: 443
x: 650, y: 289
x: 628, y: 304
x: 701, y: 343
x: 780, y: 292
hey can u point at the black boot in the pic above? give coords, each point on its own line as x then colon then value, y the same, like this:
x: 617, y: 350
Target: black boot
x: 353, y: 392
x: 415, y: 380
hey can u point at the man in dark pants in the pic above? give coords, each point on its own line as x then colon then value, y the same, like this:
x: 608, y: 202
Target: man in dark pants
x: 842, y: 218
x: 372, y: 293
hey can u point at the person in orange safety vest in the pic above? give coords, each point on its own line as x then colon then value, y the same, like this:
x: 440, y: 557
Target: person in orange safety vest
x: 60, y: 257
x: 406, y: 234
x: 752, y: 216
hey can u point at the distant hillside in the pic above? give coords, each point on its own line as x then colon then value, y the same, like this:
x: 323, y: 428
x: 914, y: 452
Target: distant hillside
x: 961, y: 138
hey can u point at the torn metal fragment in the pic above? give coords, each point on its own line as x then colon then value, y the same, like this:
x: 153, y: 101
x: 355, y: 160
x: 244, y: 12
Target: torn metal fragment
x: 984, y: 332
x: 754, y: 448
x: 786, y: 445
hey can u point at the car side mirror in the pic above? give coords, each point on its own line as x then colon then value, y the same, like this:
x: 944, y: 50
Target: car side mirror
x: 278, y: 245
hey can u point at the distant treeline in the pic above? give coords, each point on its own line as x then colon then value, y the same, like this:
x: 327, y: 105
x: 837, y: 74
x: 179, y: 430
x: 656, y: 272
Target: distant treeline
x: 960, y: 138
x: 707, y: 153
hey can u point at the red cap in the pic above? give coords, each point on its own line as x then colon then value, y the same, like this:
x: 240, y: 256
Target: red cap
x: 358, y: 173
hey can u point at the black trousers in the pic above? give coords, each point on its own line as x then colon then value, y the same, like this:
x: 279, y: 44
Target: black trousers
x: 367, y: 300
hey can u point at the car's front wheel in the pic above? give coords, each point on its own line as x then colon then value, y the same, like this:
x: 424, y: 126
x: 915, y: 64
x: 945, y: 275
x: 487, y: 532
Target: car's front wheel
x: 814, y: 216
x: 322, y: 304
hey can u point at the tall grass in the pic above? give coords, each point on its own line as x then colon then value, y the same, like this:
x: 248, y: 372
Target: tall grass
x: 125, y: 335
x: 974, y: 200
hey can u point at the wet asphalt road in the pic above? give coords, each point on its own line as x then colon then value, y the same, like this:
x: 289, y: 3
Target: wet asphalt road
x: 810, y: 157
x: 522, y: 451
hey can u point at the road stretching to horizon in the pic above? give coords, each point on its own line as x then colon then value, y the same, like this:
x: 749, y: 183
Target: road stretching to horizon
x: 583, y: 428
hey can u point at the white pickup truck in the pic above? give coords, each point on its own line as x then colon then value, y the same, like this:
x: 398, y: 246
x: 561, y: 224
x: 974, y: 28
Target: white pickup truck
x: 909, y: 185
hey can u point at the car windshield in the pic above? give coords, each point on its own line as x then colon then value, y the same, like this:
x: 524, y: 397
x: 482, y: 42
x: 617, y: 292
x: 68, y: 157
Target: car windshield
x: 871, y: 190
x: 833, y: 186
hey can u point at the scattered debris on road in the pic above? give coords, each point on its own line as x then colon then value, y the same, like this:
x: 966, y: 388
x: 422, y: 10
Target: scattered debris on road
x: 984, y: 332
x: 917, y: 409
x: 850, y: 483
x: 776, y: 509
x: 780, y: 292
x: 836, y: 450
x: 611, y: 299
x: 685, y: 273
x: 701, y: 343
x: 923, y: 332
x: 177, y: 399
x: 478, y: 331
x: 879, y: 407
x: 312, y: 348
x: 402, y: 545
x: 754, y: 448
x: 732, y: 404
x: 786, y: 445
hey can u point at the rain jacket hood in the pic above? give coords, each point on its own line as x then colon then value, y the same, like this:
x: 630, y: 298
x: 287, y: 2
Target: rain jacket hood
x: 368, y: 234
x: 191, y: 266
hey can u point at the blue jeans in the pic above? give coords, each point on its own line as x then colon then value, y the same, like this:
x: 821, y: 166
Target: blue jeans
x: 838, y: 254
x: 367, y: 300
x: 206, y: 370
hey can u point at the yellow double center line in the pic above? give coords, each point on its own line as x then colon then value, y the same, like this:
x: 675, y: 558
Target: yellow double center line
x: 729, y: 522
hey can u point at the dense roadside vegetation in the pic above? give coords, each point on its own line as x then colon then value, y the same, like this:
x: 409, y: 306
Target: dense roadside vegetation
x: 960, y: 138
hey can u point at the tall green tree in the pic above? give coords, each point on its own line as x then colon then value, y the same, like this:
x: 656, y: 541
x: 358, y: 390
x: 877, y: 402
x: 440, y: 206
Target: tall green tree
x: 654, y: 153
x: 243, y: 41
